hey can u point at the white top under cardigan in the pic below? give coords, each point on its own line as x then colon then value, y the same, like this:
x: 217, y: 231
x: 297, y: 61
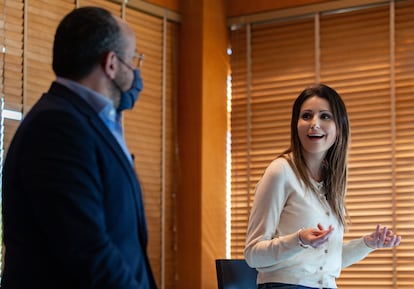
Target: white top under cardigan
x: 280, y: 209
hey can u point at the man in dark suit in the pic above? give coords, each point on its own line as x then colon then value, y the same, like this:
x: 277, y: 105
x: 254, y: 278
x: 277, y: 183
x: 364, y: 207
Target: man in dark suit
x: 72, y: 205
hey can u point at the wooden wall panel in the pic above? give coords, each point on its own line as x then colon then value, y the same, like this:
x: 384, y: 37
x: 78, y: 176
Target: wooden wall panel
x: 245, y: 7
x: 169, y: 4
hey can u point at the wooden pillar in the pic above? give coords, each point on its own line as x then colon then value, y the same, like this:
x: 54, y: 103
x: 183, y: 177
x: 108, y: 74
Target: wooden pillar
x: 202, y: 125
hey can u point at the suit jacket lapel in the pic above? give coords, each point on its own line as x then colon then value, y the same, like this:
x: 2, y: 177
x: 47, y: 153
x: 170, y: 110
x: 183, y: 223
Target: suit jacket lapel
x: 106, y: 136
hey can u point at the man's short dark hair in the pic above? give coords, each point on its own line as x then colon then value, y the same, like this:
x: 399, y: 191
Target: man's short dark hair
x: 82, y: 39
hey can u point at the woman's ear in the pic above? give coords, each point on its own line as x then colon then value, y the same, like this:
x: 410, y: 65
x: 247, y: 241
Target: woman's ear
x: 109, y: 64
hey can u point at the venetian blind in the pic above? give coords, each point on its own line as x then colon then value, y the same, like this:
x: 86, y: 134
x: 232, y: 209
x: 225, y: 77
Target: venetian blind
x: 168, y: 164
x: 355, y: 53
x: 143, y: 126
x: 12, y: 75
x: 355, y: 60
x: 404, y: 141
x: 281, y: 62
x: 149, y: 127
x: 43, y: 16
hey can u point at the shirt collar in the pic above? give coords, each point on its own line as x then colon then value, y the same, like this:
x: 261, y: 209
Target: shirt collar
x: 93, y: 98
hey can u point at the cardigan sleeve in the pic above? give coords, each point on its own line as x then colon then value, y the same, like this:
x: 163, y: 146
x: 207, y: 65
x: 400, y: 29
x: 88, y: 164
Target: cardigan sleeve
x: 263, y: 248
x: 354, y: 251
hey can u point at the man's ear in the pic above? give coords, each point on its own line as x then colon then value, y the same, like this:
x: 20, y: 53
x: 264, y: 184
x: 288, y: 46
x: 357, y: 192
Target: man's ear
x: 109, y: 64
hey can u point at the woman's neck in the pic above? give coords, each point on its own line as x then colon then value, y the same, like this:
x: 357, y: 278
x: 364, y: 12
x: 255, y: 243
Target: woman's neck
x: 314, y: 165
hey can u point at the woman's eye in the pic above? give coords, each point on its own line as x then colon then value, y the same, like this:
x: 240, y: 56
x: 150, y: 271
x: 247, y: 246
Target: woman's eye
x: 326, y: 116
x: 306, y: 115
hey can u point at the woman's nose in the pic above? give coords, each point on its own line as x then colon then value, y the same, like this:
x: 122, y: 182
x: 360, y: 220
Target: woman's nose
x: 315, y: 123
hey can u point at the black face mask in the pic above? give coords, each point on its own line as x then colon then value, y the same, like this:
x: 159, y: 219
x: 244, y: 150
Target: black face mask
x: 129, y: 97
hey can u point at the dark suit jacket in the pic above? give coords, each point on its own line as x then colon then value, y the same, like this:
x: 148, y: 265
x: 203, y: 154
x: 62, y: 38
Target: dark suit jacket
x: 72, y: 206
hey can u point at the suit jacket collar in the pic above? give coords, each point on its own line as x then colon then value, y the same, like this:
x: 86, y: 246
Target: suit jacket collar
x: 61, y: 91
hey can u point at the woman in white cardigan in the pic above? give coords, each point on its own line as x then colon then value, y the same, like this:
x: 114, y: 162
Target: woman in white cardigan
x: 296, y: 226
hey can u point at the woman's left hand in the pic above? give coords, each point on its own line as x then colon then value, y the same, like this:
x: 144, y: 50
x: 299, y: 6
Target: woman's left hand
x: 382, y: 238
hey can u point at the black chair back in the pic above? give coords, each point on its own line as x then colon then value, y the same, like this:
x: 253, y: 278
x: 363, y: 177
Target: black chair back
x: 235, y: 274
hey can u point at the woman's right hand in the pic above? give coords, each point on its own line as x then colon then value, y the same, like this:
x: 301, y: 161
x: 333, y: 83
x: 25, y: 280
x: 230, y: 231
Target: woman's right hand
x: 315, y: 237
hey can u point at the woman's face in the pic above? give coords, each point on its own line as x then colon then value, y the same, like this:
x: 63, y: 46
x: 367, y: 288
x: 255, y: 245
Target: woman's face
x: 316, y: 126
